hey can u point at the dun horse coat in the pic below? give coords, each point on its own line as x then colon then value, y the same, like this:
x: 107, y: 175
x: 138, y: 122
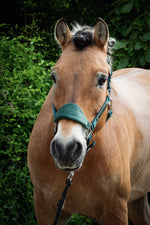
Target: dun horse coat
x: 112, y: 180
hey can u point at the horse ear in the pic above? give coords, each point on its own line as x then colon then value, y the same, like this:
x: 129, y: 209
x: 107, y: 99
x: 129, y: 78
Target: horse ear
x: 101, y: 33
x: 62, y: 32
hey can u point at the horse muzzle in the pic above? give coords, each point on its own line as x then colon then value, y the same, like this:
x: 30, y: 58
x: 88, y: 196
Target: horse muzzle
x: 68, y: 156
x: 69, y: 150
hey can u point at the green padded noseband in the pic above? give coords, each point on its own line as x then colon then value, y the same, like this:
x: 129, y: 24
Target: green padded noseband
x: 73, y: 112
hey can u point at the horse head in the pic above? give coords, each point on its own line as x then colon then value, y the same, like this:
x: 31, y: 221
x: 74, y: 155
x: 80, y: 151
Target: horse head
x: 80, y: 89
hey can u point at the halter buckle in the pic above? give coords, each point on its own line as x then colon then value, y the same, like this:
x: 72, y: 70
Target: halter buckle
x: 110, y: 104
x: 71, y: 175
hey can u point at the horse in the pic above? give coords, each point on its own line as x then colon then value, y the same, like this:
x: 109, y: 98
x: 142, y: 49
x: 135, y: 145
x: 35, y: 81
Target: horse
x: 76, y: 131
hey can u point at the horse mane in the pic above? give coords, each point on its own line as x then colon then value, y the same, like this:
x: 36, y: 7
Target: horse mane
x: 83, y: 37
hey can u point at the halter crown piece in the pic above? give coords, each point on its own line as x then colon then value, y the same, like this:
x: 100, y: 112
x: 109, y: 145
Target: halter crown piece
x: 73, y: 112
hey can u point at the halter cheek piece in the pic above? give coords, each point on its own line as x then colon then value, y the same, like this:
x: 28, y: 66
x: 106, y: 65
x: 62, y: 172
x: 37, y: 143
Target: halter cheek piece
x: 73, y: 112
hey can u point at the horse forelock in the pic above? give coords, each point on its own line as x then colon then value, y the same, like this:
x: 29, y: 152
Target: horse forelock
x: 83, y: 36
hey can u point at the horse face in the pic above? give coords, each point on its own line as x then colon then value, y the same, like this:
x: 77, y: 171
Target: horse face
x: 80, y: 77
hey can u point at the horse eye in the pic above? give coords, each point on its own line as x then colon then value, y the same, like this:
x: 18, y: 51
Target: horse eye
x: 53, y: 77
x: 101, y: 80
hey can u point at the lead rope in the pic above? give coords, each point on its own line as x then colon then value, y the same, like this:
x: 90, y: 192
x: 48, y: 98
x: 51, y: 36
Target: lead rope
x: 61, y: 201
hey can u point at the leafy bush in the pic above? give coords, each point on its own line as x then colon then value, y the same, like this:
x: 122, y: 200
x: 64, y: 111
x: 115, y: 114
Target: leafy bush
x: 24, y: 85
x: 130, y: 25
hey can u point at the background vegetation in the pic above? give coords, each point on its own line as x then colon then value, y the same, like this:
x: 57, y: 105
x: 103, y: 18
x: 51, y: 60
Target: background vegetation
x: 27, y: 53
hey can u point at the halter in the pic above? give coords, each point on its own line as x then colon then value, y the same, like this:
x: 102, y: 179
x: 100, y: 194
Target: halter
x: 73, y: 112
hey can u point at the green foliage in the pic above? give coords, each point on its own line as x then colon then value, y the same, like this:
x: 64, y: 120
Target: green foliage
x: 80, y: 220
x: 24, y: 85
x: 130, y: 24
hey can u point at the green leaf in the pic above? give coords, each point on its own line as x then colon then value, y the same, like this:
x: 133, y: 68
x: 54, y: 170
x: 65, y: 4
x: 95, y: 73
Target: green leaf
x: 142, y: 60
x: 148, y: 56
x: 146, y: 37
x: 148, y: 22
x: 126, y: 8
x: 120, y: 44
x: 123, y: 63
x: 128, y: 30
x: 138, y: 46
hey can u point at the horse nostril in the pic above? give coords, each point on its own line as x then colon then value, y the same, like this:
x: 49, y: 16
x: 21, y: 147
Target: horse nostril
x: 77, y: 151
x: 56, y: 149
